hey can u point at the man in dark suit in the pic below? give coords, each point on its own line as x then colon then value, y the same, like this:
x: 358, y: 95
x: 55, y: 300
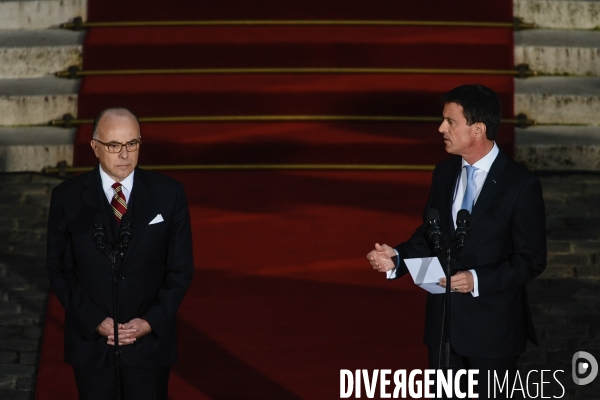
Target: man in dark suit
x: 490, y: 316
x: 153, y: 275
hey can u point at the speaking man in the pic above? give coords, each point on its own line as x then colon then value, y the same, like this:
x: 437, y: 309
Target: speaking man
x: 153, y: 275
x: 490, y: 316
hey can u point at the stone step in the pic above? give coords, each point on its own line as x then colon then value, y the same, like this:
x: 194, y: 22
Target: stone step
x: 33, y: 101
x: 25, y: 54
x: 559, y: 100
x: 38, y: 53
x: 575, y: 148
x: 42, y: 14
x: 559, y: 51
x: 34, y: 148
x: 559, y: 14
x: 39, y: 14
x: 548, y: 100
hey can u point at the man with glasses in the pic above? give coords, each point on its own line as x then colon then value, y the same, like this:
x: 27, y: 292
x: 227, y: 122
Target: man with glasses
x: 153, y: 274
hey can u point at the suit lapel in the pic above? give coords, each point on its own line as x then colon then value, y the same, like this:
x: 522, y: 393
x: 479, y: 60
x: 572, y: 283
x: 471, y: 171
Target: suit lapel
x: 143, y: 198
x: 93, y: 197
x: 492, y: 182
x: 448, y: 195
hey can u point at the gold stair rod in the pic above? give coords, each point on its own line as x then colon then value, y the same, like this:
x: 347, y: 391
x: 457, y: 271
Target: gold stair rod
x: 263, y: 118
x: 262, y: 167
x: 74, y: 72
x: 79, y: 24
x: 69, y: 120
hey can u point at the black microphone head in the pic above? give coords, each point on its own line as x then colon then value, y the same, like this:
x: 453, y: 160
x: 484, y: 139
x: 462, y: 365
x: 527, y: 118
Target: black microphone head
x: 463, y: 215
x: 462, y: 229
x: 126, y: 232
x: 126, y: 225
x: 432, y: 213
x: 434, y: 232
x: 98, y: 232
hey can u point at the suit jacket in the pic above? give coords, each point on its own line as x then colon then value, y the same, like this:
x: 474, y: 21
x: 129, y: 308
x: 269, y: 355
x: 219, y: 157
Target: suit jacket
x: 153, y: 275
x: 506, y: 248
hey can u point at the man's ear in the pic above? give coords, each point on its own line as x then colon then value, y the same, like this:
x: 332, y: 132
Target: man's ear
x: 95, y: 148
x: 480, y: 129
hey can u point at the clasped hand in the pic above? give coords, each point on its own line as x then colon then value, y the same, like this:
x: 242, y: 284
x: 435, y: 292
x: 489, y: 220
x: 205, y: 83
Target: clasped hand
x: 128, y: 332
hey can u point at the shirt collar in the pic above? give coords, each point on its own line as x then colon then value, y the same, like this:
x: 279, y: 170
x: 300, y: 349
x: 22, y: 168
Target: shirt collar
x: 486, y: 162
x: 107, y: 181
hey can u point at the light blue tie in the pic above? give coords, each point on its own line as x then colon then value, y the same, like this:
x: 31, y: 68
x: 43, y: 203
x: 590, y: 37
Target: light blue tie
x: 467, y: 203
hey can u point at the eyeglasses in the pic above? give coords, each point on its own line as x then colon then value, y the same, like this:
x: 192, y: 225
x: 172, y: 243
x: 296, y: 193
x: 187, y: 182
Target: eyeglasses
x: 115, y: 147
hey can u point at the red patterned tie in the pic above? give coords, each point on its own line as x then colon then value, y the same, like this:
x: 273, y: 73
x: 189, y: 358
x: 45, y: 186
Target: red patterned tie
x: 118, y: 203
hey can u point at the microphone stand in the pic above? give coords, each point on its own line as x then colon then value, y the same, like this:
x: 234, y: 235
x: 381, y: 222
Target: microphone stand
x: 447, y: 257
x: 440, y: 246
x: 461, y: 235
x: 112, y: 255
x: 447, y: 307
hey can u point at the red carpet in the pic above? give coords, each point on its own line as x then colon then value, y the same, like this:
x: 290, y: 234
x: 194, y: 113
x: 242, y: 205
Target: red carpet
x: 283, y: 297
x: 287, y: 143
x: 435, y: 10
x: 281, y: 94
x: 298, y: 46
x: 284, y: 95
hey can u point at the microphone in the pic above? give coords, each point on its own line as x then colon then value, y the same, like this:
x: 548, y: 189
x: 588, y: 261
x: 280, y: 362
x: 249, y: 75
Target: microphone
x: 125, y: 233
x: 462, y: 228
x: 433, y: 229
x: 98, y: 233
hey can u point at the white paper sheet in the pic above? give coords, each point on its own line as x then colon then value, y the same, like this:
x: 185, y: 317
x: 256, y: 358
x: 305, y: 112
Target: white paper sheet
x: 426, y: 273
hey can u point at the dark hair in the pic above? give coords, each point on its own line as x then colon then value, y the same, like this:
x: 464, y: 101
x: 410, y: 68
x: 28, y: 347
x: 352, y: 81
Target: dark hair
x: 480, y: 104
x: 121, y: 111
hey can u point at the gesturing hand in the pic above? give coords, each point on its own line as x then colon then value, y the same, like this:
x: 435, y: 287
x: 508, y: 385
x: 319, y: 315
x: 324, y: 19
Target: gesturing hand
x: 381, y: 258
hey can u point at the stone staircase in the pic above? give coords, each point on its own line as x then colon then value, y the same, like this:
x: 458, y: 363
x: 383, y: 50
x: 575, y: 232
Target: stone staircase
x: 559, y: 14
x: 39, y: 14
x: 568, y: 46
x: 32, y: 49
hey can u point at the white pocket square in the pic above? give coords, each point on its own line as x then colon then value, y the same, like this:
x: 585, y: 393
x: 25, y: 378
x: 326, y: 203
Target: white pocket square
x: 156, y: 220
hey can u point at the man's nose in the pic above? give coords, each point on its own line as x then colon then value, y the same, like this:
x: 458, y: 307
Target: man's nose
x: 443, y: 127
x: 124, y: 154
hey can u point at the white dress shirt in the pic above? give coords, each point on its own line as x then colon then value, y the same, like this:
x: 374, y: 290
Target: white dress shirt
x: 107, y: 183
x: 483, y: 168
